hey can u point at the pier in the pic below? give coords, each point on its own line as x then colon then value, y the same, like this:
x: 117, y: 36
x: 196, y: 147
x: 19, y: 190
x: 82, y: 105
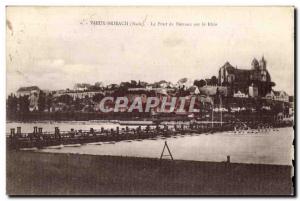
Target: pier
x: 40, y: 139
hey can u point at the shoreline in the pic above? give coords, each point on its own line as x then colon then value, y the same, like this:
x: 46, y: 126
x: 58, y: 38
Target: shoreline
x: 36, y: 173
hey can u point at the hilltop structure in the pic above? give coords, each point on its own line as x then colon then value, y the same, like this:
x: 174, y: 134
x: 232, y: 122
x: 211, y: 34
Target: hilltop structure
x: 27, y: 91
x: 250, y: 82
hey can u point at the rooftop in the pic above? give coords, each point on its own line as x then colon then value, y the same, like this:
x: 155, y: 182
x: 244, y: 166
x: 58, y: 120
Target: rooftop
x: 31, y: 88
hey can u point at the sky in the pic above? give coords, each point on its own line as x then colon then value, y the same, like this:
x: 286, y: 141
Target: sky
x: 56, y: 47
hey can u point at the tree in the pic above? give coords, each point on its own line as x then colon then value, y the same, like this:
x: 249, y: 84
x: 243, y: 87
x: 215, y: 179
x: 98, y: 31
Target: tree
x: 214, y: 81
x: 49, y: 101
x: 67, y: 99
x: 98, y: 97
x: 133, y: 83
x: 199, y: 83
x: 12, y: 104
x: 182, y: 80
x: 78, y: 104
x: 24, y: 104
x: 42, y: 101
x: 99, y: 84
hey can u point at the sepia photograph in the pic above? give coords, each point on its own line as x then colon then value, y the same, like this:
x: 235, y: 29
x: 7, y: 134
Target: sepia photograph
x: 150, y: 100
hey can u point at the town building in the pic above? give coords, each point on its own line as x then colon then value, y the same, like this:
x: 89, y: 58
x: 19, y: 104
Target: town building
x: 214, y: 90
x: 81, y: 87
x: 27, y: 91
x: 278, y: 96
x: 239, y: 94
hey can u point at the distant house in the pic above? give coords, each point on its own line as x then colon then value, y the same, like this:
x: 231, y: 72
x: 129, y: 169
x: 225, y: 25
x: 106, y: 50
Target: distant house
x: 291, y: 105
x: 185, y: 83
x: 142, y: 84
x: 59, y: 92
x: 278, y: 96
x: 239, y: 94
x: 281, y: 96
x: 212, y: 90
x: 82, y: 94
x: 138, y: 89
x: 270, y: 95
x: 149, y: 86
x: 112, y: 86
x: 27, y: 91
x: 82, y: 87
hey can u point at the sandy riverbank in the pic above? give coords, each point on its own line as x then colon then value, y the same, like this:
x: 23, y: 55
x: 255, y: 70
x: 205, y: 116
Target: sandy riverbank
x: 30, y: 173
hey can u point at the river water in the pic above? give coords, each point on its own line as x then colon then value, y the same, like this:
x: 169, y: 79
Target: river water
x: 271, y: 147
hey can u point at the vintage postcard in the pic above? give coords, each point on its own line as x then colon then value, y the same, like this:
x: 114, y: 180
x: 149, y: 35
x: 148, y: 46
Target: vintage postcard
x: 149, y: 100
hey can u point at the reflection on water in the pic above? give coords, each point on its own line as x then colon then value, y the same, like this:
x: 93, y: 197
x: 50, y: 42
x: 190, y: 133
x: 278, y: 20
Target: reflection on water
x: 273, y: 147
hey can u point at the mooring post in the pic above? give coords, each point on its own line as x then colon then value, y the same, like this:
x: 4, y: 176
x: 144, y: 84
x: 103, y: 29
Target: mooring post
x: 112, y: 131
x: 92, y: 131
x: 72, y: 133
x: 12, y: 132
x: 228, y: 159
x: 14, y: 138
x: 57, y: 133
x: 40, y: 133
x: 19, y: 131
x: 147, y: 128
x: 38, y: 138
x: 80, y: 132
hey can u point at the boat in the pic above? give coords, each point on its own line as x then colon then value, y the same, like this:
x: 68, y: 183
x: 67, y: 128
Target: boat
x: 29, y: 149
x: 72, y: 145
x: 55, y: 147
x: 95, y: 143
x: 111, y: 142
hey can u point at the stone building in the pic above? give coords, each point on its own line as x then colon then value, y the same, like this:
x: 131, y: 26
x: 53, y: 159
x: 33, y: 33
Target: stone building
x: 255, y: 81
x: 27, y: 91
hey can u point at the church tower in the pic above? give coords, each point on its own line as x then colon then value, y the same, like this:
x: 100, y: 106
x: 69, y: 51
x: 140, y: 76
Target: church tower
x: 255, y: 64
x: 262, y: 64
x: 263, y: 69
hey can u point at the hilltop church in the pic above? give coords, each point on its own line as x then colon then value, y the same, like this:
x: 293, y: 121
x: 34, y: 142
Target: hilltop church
x: 251, y: 82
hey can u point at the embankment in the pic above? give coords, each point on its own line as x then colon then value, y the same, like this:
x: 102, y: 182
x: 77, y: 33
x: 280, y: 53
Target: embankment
x: 32, y: 173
